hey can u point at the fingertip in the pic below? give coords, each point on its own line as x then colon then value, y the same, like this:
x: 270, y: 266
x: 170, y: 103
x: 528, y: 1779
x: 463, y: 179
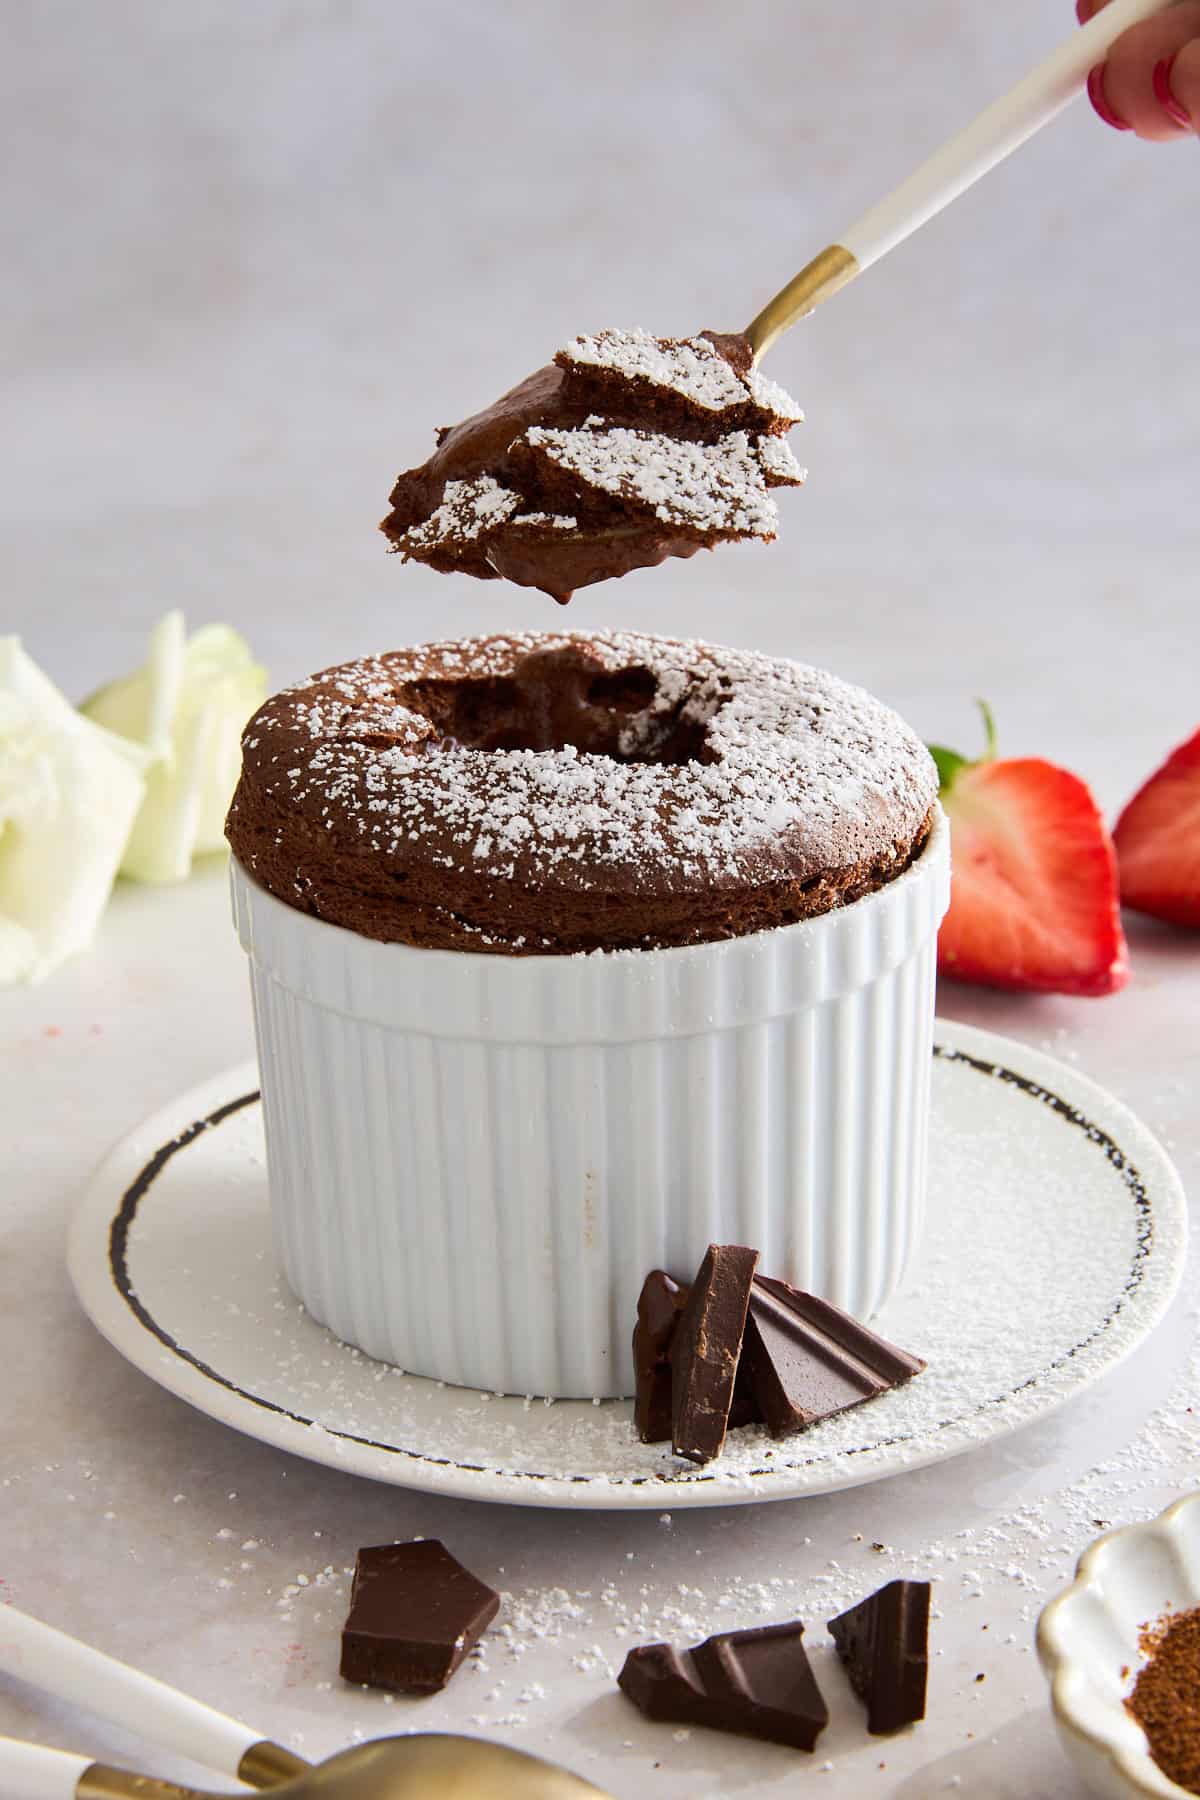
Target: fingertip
x: 1183, y: 82
x: 1101, y: 105
x: 1163, y: 93
x: 1151, y: 76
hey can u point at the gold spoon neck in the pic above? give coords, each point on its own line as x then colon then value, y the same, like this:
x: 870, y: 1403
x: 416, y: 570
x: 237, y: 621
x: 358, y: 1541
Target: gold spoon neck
x: 266, y: 1765
x: 824, y: 275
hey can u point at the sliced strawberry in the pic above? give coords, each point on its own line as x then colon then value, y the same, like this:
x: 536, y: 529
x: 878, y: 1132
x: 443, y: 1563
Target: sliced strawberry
x: 1033, y: 899
x: 1158, y: 840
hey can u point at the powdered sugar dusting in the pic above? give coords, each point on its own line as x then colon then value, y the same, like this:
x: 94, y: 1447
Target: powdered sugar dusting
x: 711, y: 487
x: 795, y: 770
x: 777, y: 462
x: 773, y: 397
x: 468, y: 509
x: 690, y: 367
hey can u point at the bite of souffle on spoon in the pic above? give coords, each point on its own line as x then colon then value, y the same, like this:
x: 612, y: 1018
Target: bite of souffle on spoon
x: 629, y: 448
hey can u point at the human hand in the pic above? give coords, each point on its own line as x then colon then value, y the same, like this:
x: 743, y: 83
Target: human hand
x: 1150, y: 80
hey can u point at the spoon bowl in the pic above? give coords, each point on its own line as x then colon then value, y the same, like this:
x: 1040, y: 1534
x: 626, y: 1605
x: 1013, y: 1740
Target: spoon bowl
x: 433, y: 1764
x: 420, y: 1766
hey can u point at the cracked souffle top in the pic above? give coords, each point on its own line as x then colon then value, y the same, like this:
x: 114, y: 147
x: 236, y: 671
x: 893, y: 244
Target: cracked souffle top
x: 551, y: 793
x: 625, y: 450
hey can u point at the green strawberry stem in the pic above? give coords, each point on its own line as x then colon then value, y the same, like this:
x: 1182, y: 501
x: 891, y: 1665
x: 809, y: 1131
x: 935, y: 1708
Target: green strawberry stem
x: 951, y: 762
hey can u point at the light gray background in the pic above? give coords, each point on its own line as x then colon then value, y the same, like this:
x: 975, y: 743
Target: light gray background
x: 253, y: 253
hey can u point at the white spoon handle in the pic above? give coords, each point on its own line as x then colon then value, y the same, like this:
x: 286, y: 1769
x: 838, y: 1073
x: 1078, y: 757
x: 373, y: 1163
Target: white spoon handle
x: 995, y: 134
x: 60, y: 1665
x: 27, y: 1772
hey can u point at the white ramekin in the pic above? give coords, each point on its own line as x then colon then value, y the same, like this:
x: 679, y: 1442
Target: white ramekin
x: 474, y: 1160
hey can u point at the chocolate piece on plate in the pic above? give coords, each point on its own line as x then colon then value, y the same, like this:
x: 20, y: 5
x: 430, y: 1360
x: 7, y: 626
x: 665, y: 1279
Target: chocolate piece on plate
x: 415, y: 1613
x: 806, y: 1359
x: 755, y: 1682
x: 884, y: 1643
x: 659, y: 1305
x: 706, y: 1349
x: 744, y: 1408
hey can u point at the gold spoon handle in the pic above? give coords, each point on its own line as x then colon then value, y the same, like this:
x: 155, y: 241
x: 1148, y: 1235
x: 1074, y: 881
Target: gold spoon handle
x: 999, y: 130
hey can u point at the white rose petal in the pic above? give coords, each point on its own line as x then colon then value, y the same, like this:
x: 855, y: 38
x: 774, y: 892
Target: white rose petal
x: 69, y: 793
x: 187, y: 706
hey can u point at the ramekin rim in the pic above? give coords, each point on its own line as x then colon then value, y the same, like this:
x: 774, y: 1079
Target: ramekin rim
x: 922, y: 868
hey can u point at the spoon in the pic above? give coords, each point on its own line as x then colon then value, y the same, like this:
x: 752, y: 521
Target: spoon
x: 1002, y: 128
x: 420, y: 1767
x: 430, y: 1765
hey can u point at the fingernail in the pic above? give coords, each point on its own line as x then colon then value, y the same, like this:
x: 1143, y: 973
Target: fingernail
x: 1095, y: 91
x: 1083, y: 10
x: 1163, y: 94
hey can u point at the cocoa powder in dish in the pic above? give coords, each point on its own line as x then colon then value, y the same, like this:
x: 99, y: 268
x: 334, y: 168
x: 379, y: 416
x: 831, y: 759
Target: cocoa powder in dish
x: 1166, y: 1696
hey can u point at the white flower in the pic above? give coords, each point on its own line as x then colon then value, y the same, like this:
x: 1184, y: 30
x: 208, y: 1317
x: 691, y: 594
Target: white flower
x: 69, y: 793
x: 187, y: 706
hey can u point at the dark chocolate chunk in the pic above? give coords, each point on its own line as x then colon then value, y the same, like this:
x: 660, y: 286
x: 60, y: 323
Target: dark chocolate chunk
x: 415, y: 1613
x: 766, y: 1674
x: 806, y: 1359
x: 661, y: 1685
x: 756, y: 1682
x: 884, y: 1643
x: 706, y: 1348
x: 744, y: 1408
x: 659, y: 1305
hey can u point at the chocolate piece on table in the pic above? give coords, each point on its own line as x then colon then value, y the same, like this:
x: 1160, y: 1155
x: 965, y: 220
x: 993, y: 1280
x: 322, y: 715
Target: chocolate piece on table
x: 806, y: 1359
x: 415, y: 1613
x: 755, y: 1682
x: 659, y: 1305
x: 884, y: 1643
x: 765, y: 1674
x: 661, y: 1685
x: 706, y: 1348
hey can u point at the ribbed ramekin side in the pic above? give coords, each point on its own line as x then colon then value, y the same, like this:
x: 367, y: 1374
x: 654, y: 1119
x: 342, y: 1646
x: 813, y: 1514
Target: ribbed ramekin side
x: 479, y: 1198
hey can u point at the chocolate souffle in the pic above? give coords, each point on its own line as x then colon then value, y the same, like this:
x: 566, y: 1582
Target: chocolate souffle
x: 624, y: 450
x: 548, y: 793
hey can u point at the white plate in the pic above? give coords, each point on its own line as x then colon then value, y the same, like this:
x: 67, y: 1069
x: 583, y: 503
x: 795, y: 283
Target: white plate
x: 1054, y: 1242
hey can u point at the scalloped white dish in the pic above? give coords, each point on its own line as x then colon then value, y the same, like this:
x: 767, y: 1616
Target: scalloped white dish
x: 1087, y: 1640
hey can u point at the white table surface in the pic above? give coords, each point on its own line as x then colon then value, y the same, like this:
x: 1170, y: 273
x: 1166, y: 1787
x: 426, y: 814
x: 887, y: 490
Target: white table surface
x: 262, y: 250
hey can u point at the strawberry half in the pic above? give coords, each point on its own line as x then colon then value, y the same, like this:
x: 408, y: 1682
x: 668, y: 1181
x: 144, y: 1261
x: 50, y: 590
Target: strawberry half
x: 1158, y: 840
x: 1033, y: 898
